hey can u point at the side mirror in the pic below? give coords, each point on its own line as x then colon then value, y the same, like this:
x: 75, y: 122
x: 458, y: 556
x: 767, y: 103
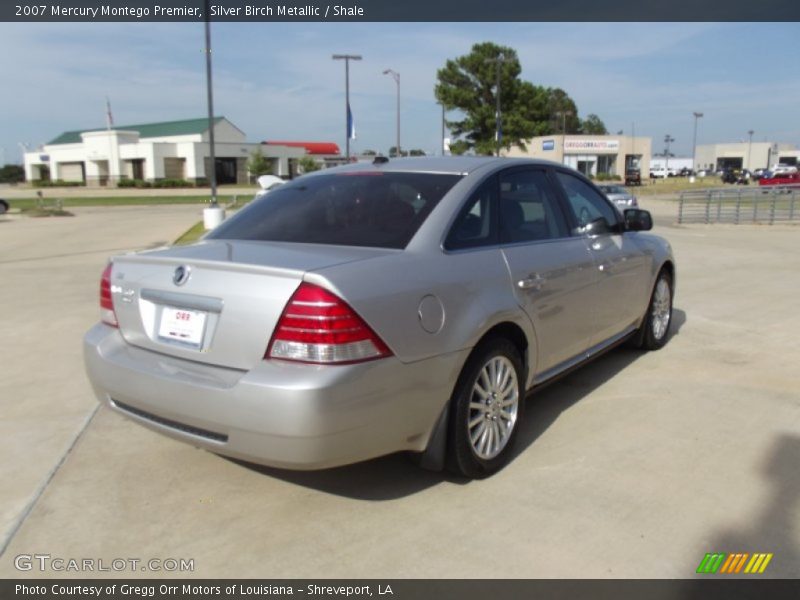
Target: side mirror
x: 637, y: 219
x: 599, y: 226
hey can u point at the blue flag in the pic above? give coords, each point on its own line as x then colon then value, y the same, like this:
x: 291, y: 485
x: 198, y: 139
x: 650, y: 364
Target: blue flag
x: 351, y: 124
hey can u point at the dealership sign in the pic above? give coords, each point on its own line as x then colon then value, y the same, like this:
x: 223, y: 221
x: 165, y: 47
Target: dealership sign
x: 596, y: 145
x: 548, y: 144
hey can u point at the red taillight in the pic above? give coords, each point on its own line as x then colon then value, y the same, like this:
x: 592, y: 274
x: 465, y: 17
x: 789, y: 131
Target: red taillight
x: 319, y: 327
x: 107, y: 314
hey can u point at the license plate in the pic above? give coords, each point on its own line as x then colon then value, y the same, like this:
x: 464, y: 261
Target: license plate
x: 182, y: 325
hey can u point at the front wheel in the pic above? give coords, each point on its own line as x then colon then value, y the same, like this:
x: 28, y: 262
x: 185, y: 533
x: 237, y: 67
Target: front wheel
x: 487, y: 410
x: 659, y: 314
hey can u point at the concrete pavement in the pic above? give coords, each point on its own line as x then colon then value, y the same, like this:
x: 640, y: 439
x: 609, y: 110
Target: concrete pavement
x: 634, y: 466
x: 50, y: 271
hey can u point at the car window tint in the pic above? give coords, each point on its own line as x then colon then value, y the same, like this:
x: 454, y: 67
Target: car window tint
x: 529, y: 210
x: 475, y: 224
x: 379, y: 209
x: 587, y: 204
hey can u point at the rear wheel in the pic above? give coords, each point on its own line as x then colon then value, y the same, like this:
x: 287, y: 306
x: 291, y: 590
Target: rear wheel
x: 659, y: 314
x: 487, y: 409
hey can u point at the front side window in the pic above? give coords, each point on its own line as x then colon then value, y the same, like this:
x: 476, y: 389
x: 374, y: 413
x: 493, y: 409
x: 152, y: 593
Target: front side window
x: 586, y: 203
x: 370, y: 208
x: 529, y: 210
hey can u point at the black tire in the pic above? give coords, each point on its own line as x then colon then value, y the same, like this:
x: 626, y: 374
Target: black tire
x: 463, y: 457
x: 654, y: 333
x: 3, y: 207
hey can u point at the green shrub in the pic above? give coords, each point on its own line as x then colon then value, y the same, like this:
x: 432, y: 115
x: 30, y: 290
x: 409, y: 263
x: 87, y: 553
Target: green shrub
x: 607, y: 177
x: 172, y: 183
x: 57, y: 183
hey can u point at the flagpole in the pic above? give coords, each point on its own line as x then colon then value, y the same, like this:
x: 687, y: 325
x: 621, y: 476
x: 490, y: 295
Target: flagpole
x: 348, y: 113
x: 109, y: 123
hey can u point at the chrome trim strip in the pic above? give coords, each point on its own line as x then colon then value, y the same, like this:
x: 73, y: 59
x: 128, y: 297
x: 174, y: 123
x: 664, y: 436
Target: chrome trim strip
x: 178, y: 300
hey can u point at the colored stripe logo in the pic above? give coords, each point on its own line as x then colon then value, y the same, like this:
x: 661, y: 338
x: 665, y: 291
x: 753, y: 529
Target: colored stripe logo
x: 734, y: 563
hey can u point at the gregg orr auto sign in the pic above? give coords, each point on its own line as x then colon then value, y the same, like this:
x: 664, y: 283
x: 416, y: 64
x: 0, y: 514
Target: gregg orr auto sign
x: 593, y: 145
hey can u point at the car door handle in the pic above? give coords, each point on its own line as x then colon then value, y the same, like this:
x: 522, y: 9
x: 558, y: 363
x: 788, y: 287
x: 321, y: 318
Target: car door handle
x: 532, y: 282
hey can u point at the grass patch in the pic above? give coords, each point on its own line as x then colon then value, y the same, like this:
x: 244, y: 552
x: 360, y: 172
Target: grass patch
x: 191, y: 235
x: 675, y: 185
x: 26, y: 203
x: 46, y: 212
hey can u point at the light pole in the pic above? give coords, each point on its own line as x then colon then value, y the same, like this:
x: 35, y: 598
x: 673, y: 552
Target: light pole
x: 499, y: 60
x: 396, y: 76
x: 667, y: 140
x: 697, y: 115
x: 210, y: 99
x: 564, y: 114
x: 443, y: 130
x: 749, y: 147
x: 347, y: 58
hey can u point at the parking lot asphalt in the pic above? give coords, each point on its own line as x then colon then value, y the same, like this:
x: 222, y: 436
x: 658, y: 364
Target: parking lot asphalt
x: 634, y: 466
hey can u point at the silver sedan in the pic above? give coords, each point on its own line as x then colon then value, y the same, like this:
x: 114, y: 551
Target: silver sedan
x: 406, y: 305
x: 621, y: 197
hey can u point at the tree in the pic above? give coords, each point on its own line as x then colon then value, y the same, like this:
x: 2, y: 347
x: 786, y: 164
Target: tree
x: 308, y: 164
x: 12, y: 174
x: 592, y: 125
x: 563, y: 111
x: 469, y: 84
x: 258, y: 164
x: 369, y: 153
x: 416, y: 152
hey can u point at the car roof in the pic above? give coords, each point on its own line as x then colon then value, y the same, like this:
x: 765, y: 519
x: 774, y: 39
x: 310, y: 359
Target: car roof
x: 455, y: 165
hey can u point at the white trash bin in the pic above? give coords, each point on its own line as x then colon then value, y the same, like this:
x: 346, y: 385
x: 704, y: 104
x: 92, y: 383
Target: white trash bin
x: 213, y: 216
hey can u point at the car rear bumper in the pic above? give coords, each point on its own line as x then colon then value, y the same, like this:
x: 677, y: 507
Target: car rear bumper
x: 281, y: 414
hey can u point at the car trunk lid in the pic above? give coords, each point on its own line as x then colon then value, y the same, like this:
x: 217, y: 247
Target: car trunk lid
x: 215, y: 302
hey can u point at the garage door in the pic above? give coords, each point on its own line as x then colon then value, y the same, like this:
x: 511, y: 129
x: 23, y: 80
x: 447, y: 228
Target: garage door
x: 174, y: 168
x: 70, y: 171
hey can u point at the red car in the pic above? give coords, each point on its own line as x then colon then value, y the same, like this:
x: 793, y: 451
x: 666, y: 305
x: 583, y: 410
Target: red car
x: 782, y: 179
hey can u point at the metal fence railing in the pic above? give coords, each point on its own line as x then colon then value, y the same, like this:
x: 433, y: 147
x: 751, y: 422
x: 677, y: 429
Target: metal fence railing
x: 754, y: 204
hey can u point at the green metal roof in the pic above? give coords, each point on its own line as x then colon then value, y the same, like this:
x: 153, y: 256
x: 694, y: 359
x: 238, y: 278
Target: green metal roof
x: 146, y: 130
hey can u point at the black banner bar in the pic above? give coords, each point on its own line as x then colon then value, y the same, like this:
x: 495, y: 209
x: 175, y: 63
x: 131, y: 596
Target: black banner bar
x: 399, y: 10
x: 708, y: 588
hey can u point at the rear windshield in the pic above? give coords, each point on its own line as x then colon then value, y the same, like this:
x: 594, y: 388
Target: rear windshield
x: 379, y: 209
x: 612, y: 189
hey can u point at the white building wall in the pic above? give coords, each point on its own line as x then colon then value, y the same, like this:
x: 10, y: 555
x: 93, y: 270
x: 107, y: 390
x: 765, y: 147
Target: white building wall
x: 226, y: 132
x: 104, y: 151
x: 588, y: 150
x: 758, y: 155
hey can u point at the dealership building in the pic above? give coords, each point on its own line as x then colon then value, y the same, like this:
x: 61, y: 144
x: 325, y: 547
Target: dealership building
x: 154, y: 151
x: 592, y: 155
x: 746, y: 155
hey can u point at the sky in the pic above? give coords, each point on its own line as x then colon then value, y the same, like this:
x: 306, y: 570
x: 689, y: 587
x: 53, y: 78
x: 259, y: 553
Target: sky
x: 277, y: 80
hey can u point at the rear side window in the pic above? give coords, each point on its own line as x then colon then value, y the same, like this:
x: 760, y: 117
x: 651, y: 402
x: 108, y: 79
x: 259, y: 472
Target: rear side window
x: 378, y: 209
x: 475, y: 225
